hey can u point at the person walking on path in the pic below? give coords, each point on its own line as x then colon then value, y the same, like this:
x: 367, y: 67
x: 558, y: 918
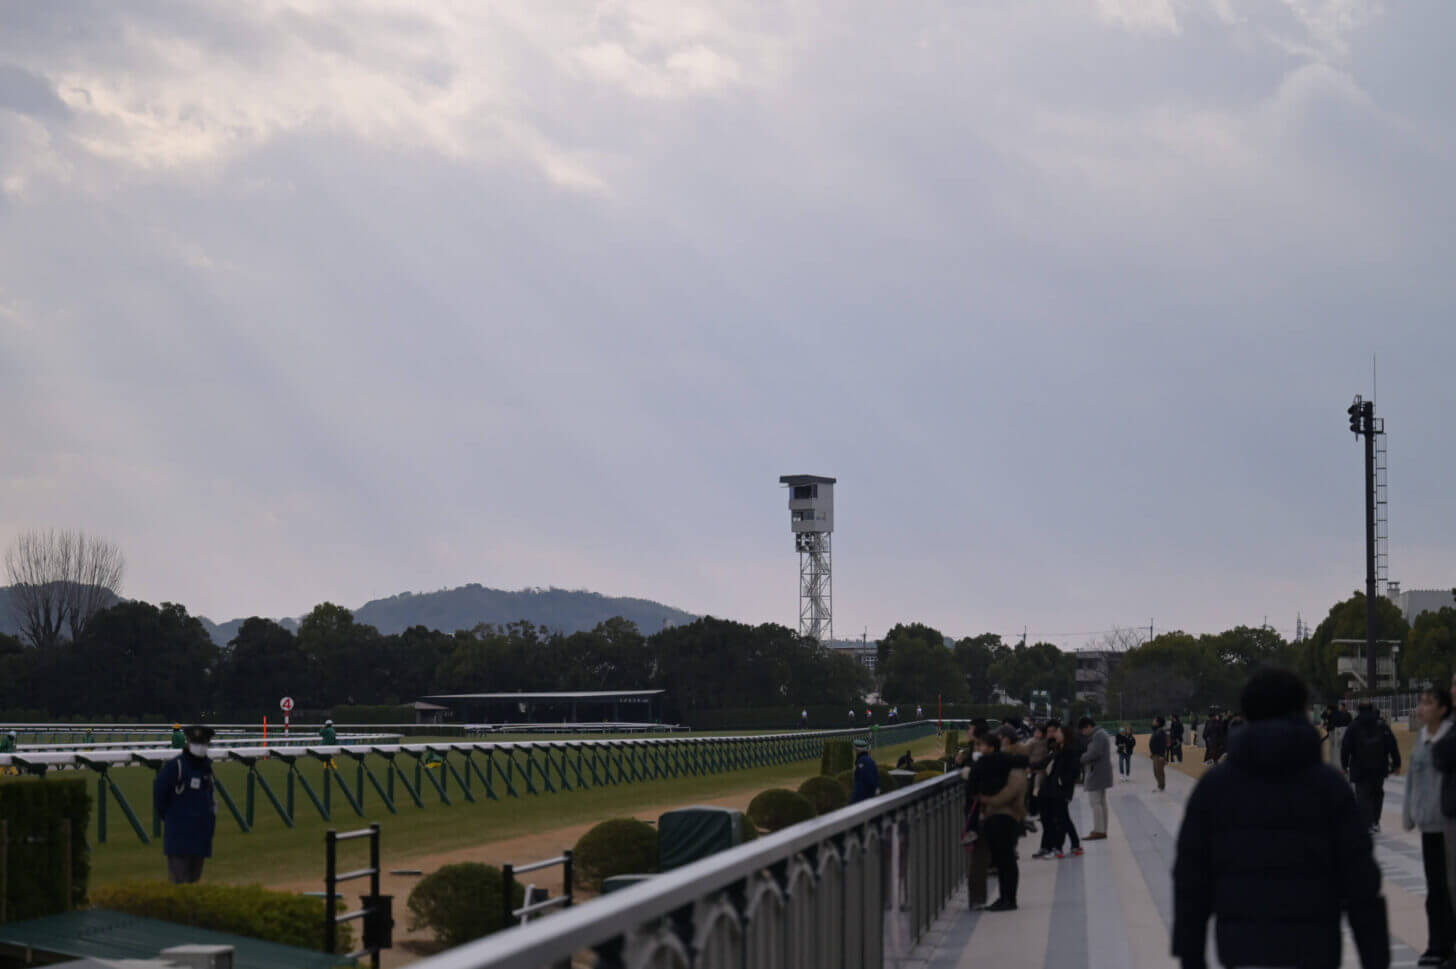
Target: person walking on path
x: 1273, y: 847
x: 1193, y: 729
x: 1175, y: 740
x: 1001, y: 787
x: 1340, y: 722
x: 866, y: 774
x: 1065, y: 767
x: 1421, y: 808
x: 182, y: 796
x: 1096, y: 763
x: 1126, y: 744
x: 1368, y: 755
x: 1158, y: 750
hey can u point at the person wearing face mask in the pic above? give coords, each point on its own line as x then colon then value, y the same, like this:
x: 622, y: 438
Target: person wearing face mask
x: 182, y: 796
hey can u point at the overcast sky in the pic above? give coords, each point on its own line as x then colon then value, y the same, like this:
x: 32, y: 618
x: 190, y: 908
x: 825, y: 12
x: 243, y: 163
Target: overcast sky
x: 333, y: 299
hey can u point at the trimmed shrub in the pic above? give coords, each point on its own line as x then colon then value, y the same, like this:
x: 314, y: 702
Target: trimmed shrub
x: 250, y: 910
x: 750, y: 830
x: 460, y: 902
x: 888, y: 781
x: 777, y: 808
x: 936, y: 765
x: 621, y: 846
x: 952, y: 743
x: 926, y: 775
x: 34, y: 809
x: 838, y: 756
x: 846, y: 781
x: 824, y: 793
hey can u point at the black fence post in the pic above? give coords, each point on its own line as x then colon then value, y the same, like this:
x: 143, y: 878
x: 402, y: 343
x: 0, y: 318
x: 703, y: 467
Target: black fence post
x: 330, y: 846
x: 508, y: 891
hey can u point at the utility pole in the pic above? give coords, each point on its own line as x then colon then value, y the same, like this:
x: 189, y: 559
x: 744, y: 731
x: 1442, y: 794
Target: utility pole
x: 1362, y: 423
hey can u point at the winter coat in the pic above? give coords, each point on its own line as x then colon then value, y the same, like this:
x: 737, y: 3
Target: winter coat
x: 182, y: 797
x: 1368, y: 725
x: 866, y: 779
x: 1065, y: 769
x: 1009, y: 800
x: 1036, y: 755
x: 1175, y: 732
x: 1443, y: 755
x: 1273, y: 845
x: 1126, y: 743
x: 329, y: 736
x: 1097, y: 759
x: 1422, y: 804
x: 1158, y: 742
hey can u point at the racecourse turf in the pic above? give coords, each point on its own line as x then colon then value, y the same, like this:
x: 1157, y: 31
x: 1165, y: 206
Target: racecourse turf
x: 273, y: 853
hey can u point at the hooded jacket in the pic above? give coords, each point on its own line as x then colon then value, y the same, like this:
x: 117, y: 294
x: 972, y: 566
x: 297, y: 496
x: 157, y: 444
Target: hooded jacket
x: 1273, y: 844
x: 1097, y: 760
x: 1368, y: 724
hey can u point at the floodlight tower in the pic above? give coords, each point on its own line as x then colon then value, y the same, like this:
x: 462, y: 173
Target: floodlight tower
x: 811, y: 516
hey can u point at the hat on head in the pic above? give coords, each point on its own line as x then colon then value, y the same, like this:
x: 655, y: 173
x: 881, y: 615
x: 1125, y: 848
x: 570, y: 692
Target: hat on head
x: 861, y: 744
x: 328, y: 723
x: 198, y: 734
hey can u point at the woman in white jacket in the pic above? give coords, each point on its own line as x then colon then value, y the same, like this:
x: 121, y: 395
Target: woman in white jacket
x: 1422, y: 809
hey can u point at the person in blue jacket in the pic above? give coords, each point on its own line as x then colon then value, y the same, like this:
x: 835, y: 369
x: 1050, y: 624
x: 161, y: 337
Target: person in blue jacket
x: 183, y: 798
x: 866, y: 774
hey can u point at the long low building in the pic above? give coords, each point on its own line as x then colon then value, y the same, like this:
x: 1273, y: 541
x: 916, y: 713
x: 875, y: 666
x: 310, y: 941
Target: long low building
x: 597, y: 706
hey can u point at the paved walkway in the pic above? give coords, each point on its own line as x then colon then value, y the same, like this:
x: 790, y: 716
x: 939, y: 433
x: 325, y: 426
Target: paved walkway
x: 1112, y: 907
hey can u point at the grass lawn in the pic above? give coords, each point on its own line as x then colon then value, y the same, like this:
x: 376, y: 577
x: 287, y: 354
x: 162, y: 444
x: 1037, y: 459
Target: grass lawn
x: 272, y: 852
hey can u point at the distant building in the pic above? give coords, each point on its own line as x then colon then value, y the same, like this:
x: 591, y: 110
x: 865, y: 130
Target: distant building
x: 1094, y: 669
x: 864, y: 651
x: 1413, y: 602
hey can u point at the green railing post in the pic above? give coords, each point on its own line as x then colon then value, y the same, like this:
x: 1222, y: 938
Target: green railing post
x: 232, y: 805
x: 462, y: 781
x: 248, y: 798
x: 287, y: 816
x: 471, y: 765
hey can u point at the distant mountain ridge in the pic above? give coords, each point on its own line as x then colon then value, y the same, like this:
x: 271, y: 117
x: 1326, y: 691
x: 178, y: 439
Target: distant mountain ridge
x: 559, y: 610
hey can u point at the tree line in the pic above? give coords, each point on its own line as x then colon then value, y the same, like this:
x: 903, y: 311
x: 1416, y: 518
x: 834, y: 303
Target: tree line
x: 156, y: 662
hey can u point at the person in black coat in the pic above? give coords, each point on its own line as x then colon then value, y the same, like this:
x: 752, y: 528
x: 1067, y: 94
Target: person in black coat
x: 182, y: 796
x: 1273, y: 845
x: 1059, y: 789
x: 1369, y: 754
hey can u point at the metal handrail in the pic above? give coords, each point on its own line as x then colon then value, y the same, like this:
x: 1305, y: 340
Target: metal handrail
x: 136, y: 756
x: 548, y: 941
x: 538, y: 865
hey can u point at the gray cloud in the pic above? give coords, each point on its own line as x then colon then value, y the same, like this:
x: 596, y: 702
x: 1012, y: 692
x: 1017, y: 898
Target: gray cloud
x: 303, y: 306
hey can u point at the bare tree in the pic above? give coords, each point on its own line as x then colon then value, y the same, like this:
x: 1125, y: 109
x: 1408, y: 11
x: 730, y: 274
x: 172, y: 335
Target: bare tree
x: 59, y: 580
x: 94, y: 582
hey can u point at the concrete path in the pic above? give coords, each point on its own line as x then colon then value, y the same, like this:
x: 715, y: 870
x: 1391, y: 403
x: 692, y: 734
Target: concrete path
x: 1112, y: 907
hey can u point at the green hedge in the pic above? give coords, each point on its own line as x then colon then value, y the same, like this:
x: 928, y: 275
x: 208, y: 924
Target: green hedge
x: 621, y: 846
x: 460, y: 902
x: 888, y: 781
x: 33, y: 809
x: 846, y: 781
x: 824, y: 793
x: 777, y: 808
x: 250, y: 910
x: 838, y: 756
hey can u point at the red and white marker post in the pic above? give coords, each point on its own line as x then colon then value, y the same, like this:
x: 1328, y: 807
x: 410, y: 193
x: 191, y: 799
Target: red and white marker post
x: 286, y: 705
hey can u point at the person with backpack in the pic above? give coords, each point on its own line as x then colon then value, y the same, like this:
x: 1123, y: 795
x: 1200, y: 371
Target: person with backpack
x: 1368, y: 755
x: 1158, y: 750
